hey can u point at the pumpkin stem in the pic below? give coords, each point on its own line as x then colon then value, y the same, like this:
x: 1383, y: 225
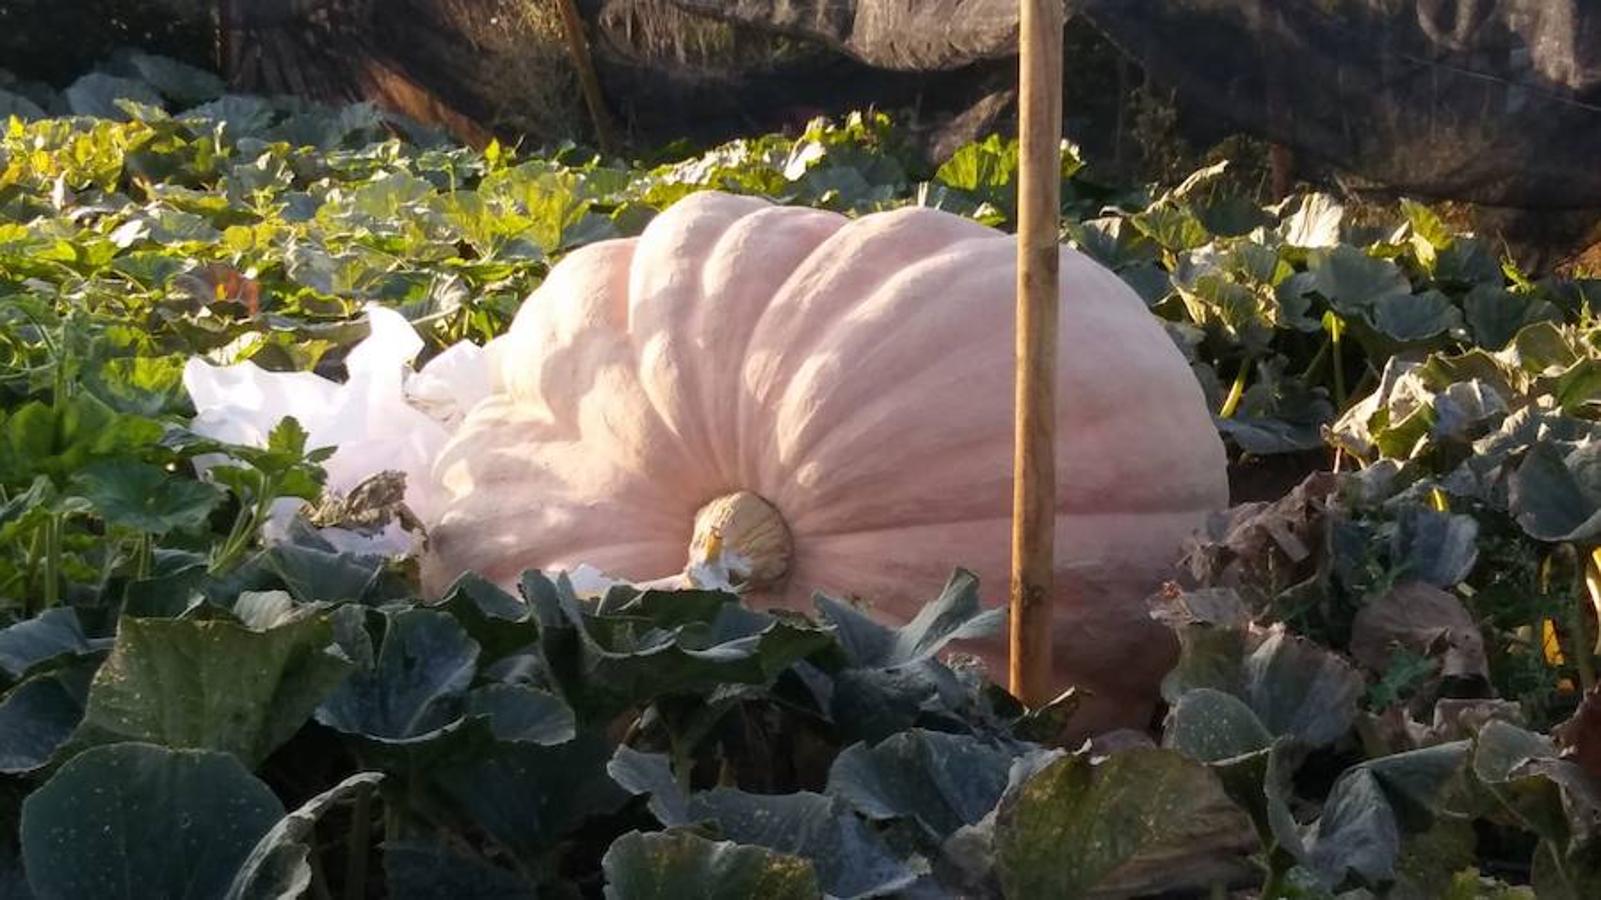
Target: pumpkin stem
x: 745, y: 535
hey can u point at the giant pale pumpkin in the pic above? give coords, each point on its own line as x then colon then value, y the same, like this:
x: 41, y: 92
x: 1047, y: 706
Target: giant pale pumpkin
x: 835, y: 397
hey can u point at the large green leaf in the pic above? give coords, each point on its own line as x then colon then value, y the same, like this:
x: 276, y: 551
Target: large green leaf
x: 1409, y: 318
x: 941, y: 781
x: 40, y: 714
x: 956, y: 614
x: 1435, y: 547
x: 60, y: 440
x: 1556, y: 496
x: 416, y: 685
x: 659, y: 643
x: 214, y: 684
x: 52, y: 637
x: 183, y: 83
x: 1137, y: 817
x: 1354, y: 282
x: 850, y: 859
x: 1211, y: 726
x: 677, y: 864
x: 1217, y: 728
x: 1210, y: 625
x: 323, y: 575
x: 650, y: 775
x: 1551, y: 797
x: 1302, y: 690
x: 1315, y: 223
x: 530, y: 797
x: 1495, y: 314
x: 13, y: 104
x: 97, y: 93
x: 521, y: 714
x: 848, y: 856
x: 500, y: 623
x: 136, y: 821
x: 142, y: 385
x: 1370, y: 809
x: 986, y: 168
x: 145, y: 497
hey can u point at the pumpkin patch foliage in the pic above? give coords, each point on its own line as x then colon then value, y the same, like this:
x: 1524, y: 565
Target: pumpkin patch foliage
x: 216, y: 682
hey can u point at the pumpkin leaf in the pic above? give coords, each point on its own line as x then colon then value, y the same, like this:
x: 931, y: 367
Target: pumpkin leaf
x: 1355, y: 283
x: 520, y: 714
x: 940, y: 781
x: 680, y: 864
x: 143, y: 497
x: 1553, y: 798
x: 1211, y: 726
x: 1409, y: 318
x: 1301, y: 690
x: 604, y: 662
x: 1554, y: 495
x: 847, y: 855
x: 323, y: 575
x: 40, y: 714
x: 529, y: 797
x: 135, y: 820
x: 1210, y: 625
x: 48, y: 639
x: 651, y: 775
x: 416, y: 685
x: 1371, y: 808
x: 956, y: 614
x: 500, y: 623
x: 1421, y: 619
x: 1138, y: 818
x: 213, y: 685
x: 849, y: 859
x: 1255, y: 768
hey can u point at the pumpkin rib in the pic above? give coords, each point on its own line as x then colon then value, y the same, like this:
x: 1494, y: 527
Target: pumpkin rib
x: 843, y: 409
x: 742, y: 253
x: 1153, y: 484
x: 598, y: 361
x: 1000, y: 519
x: 733, y: 372
x: 905, y: 282
x: 663, y: 295
x: 784, y: 339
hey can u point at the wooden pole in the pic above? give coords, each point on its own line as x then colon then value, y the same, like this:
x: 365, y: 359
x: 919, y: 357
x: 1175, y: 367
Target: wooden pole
x: 572, y: 26
x: 1039, y: 189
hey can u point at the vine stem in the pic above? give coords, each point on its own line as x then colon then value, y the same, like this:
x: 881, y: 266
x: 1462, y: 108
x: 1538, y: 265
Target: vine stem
x: 144, y: 553
x: 360, y: 838
x: 1336, y: 331
x: 1273, y: 887
x: 35, y: 548
x: 319, y: 879
x: 1237, y: 390
x: 1317, y: 360
x: 52, y: 560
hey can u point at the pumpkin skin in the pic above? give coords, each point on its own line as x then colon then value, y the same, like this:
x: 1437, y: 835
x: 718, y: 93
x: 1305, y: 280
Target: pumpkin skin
x: 858, y: 376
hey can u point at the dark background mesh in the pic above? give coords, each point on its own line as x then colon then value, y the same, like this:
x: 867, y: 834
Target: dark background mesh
x: 1494, y: 102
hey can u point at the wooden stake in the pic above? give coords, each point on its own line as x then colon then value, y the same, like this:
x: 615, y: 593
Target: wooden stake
x: 1039, y: 189
x: 572, y: 25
